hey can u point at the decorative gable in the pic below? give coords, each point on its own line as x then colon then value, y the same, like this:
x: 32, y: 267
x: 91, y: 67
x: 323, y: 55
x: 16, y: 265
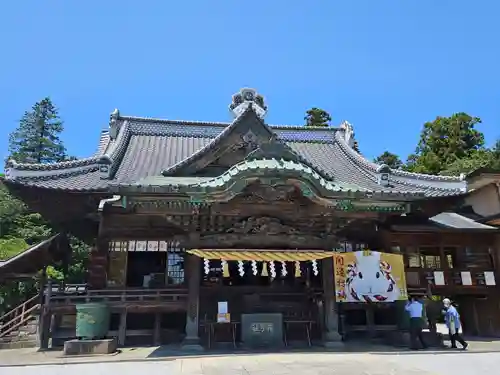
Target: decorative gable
x: 248, y: 97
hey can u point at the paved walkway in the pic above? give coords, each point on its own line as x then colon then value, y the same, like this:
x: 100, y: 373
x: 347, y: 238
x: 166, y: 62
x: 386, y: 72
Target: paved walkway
x: 31, y: 356
x: 286, y: 364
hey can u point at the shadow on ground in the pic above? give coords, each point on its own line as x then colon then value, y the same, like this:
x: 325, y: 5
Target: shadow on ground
x: 483, y: 339
x: 176, y: 351
x: 476, y: 346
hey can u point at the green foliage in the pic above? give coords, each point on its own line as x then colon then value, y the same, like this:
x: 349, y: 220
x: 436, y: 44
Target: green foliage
x: 390, y: 159
x: 444, y: 141
x: 77, y: 270
x: 36, y: 140
x: 317, y: 117
x: 495, y: 156
x: 10, y: 246
x: 77, y: 267
x: 10, y: 210
x: 474, y: 160
x: 17, y: 222
x: 13, y: 293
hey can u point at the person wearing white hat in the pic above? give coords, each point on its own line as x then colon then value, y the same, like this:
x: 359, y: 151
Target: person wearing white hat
x: 452, y: 319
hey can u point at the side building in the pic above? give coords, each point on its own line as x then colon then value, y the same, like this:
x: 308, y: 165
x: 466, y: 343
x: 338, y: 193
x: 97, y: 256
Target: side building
x: 191, y: 221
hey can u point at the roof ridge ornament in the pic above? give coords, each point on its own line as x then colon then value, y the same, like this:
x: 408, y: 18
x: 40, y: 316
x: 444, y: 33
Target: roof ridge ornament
x: 384, y: 172
x: 348, y: 130
x: 245, y: 98
x: 114, y: 127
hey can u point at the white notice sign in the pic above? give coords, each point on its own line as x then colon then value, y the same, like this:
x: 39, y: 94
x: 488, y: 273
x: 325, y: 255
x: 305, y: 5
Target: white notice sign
x: 222, y: 307
x: 466, y: 278
x: 489, y: 278
x: 223, y: 315
x: 439, y: 278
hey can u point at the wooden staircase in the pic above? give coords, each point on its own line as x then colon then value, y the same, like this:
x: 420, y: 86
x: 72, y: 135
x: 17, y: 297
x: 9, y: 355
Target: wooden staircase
x: 18, y: 327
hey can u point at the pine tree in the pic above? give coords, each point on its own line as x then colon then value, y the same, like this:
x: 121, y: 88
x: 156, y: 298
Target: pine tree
x: 445, y: 141
x: 390, y: 159
x: 317, y: 117
x: 36, y: 139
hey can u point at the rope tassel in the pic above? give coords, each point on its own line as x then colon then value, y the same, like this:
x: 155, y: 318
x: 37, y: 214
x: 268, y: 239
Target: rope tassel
x: 264, y: 269
x: 298, y: 272
x: 225, y: 269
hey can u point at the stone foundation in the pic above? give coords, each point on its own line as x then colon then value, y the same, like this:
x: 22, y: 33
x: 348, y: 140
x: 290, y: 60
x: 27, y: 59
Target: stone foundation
x: 86, y: 347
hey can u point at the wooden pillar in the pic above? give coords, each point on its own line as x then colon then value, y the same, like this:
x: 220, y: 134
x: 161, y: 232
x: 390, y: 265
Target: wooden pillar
x: 45, y: 319
x: 496, y: 258
x: 98, y: 265
x: 157, y: 329
x: 332, y: 337
x: 193, y: 266
x: 122, y: 329
x: 66, y: 250
x: 370, y: 320
x: 41, y: 301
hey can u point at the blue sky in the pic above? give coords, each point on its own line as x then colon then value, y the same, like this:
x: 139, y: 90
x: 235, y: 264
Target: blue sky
x: 385, y: 66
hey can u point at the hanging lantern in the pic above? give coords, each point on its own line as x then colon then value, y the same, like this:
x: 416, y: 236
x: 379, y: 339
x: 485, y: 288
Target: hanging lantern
x: 298, y: 272
x: 284, y: 272
x: 254, y: 268
x: 272, y: 268
x: 225, y: 269
x: 206, y: 266
x: 264, y: 269
x: 241, y: 269
x: 315, y: 267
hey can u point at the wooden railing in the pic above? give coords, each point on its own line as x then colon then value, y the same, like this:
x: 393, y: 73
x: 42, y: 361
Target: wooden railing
x: 452, y: 277
x: 19, y: 316
x: 117, y: 296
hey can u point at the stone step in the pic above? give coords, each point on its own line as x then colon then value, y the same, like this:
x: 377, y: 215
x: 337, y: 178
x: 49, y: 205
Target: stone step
x: 17, y: 338
x: 18, y: 344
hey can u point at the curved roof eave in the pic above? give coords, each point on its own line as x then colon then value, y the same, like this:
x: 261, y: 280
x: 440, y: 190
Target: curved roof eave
x: 455, y: 184
x: 109, y: 153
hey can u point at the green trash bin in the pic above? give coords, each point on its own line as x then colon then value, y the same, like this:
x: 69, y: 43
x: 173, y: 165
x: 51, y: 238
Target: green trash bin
x: 92, y: 320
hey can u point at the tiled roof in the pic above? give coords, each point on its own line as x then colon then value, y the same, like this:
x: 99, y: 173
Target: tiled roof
x: 453, y: 220
x: 144, y: 147
x: 27, y: 261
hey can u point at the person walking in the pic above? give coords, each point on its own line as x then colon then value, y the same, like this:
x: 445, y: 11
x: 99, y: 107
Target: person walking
x: 415, y: 309
x: 452, y: 320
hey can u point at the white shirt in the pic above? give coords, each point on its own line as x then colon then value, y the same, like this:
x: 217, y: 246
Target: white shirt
x: 415, y: 309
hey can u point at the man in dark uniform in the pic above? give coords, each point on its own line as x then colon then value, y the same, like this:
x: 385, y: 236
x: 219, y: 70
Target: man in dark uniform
x: 415, y: 309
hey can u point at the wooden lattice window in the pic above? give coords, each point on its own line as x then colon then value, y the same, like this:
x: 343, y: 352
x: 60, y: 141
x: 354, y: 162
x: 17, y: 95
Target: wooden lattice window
x: 413, y: 261
x: 430, y: 257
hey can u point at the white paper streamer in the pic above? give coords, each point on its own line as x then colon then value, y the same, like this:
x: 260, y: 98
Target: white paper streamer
x: 284, y: 272
x: 254, y: 267
x: 272, y: 269
x: 206, y: 266
x: 241, y: 270
x: 315, y: 267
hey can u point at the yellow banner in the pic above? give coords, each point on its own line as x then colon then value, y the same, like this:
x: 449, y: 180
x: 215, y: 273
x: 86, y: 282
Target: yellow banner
x: 369, y: 276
